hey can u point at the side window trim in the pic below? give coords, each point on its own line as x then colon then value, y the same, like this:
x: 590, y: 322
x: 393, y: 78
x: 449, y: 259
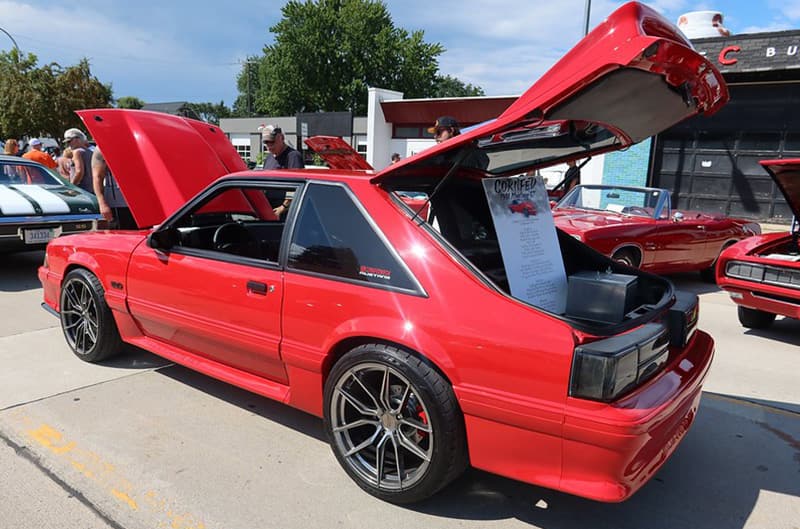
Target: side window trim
x: 417, y: 289
x: 220, y: 188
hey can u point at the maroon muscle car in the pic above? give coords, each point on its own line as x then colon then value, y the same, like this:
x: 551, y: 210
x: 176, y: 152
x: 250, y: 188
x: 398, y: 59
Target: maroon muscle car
x: 636, y: 226
x: 762, y: 274
x: 405, y: 339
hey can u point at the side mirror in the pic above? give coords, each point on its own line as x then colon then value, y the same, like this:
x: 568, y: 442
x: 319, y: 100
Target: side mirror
x: 677, y: 217
x: 164, y: 239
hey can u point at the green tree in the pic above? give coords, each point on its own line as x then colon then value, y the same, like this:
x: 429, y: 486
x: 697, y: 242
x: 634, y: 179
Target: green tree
x: 130, y: 102
x: 328, y: 52
x: 42, y: 100
x: 447, y: 86
x: 210, y: 112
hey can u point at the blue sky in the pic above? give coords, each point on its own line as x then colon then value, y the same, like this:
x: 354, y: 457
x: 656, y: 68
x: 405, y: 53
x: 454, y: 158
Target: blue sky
x: 182, y: 50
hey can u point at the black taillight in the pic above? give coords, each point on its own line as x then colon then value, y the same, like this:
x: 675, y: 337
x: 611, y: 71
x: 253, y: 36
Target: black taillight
x: 607, y: 369
x: 682, y: 318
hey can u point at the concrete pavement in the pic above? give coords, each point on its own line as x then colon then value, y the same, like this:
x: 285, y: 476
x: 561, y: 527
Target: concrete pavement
x: 139, y: 443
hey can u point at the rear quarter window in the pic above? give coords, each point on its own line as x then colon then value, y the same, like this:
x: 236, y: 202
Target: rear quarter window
x: 333, y: 237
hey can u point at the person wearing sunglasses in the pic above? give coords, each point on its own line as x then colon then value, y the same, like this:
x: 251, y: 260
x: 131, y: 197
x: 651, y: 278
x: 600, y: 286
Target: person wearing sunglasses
x: 279, y: 156
x: 445, y: 128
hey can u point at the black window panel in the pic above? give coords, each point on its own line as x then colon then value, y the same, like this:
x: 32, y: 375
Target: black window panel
x: 677, y: 163
x: 709, y: 205
x: 710, y: 185
x: 760, y: 141
x: 333, y: 237
x: 748, y: 165
x: 715, y: 141
x: 792, y: 142
x: 781, y: 210
x: 754, y: 210
x: 707, y: 163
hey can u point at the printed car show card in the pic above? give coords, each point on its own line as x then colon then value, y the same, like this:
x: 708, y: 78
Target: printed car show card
x: 528, y: 241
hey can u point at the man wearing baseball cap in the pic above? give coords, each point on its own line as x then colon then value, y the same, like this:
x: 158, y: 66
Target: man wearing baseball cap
x: 37, y: 155
x: 445, y: 128
x: 81, y: 176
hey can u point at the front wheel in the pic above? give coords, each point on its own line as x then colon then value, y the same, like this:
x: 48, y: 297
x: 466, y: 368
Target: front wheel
x: 754, y: 318
x: 394, y: 424
x: 86, y: 319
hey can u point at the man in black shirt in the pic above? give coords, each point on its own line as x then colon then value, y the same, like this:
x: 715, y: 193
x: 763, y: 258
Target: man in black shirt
x: 279, y: 155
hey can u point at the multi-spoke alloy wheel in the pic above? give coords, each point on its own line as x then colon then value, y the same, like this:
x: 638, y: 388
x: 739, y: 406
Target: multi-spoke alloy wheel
x: 86, y: 320
x: 393, y: 423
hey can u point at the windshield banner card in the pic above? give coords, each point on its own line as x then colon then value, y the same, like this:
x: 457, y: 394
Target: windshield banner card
x: 528, y: 241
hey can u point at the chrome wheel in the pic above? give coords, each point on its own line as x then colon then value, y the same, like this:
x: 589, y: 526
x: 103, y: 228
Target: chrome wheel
x: 79, y: 316
x: 86, y: 319
x: 379, y: 425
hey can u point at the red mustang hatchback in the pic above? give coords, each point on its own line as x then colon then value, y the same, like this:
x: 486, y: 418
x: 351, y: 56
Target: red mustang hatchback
x: 405, y: 338
x: 762, y: 274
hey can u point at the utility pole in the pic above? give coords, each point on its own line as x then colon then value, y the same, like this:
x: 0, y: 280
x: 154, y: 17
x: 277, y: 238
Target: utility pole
x: 586, y: 17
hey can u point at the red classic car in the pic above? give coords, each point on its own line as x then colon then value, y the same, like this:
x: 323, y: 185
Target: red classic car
x: 637, y: 227
x: 762, y: 274
x: 406, y: 339
x: 526, y: 207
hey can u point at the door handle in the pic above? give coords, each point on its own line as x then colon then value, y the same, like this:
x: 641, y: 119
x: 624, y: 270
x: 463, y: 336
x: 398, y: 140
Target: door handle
x: 257, y: 287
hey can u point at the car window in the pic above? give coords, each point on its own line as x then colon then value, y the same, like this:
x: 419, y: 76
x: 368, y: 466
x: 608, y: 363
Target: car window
x: 236, y: 220
x: 333, y: 237
x: 18, y: 173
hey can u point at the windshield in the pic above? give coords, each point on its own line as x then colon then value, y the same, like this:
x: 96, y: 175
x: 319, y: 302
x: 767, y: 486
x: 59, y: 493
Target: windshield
x: 632, y: 201
x: 22, y: 173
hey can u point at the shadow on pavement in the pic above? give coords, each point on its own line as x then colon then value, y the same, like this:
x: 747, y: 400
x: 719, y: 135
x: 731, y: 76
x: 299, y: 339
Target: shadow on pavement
x: 786, y: 330
x: 18, y: 271
x: 734, y: 452
x: 269, y: 409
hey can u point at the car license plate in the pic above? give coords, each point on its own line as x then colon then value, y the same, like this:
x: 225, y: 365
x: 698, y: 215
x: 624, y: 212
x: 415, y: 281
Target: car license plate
x: 39, y: 236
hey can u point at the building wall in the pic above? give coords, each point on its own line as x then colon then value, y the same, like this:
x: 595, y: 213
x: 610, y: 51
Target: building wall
x: 629, y: 167
x: 379, y: 131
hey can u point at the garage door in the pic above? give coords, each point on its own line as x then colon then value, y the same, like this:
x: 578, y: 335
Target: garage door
x: 711, y: 164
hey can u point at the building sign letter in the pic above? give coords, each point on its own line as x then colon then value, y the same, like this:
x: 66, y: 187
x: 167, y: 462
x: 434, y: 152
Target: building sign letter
x: 723, y: 55
x: 770, y: 52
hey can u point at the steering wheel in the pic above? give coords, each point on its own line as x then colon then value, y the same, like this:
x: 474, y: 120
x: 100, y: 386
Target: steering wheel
x: 233, y: 237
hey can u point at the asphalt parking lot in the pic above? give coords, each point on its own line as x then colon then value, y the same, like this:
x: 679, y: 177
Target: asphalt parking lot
x: 141, y: 443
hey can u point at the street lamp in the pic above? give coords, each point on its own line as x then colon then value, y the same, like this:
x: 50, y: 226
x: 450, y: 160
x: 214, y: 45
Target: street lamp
x: 12, y: 39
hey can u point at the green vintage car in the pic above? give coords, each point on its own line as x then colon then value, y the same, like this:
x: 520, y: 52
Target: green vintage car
x: 36, y: 206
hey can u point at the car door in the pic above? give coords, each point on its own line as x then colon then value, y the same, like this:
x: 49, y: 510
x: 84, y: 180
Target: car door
x: 217, y: 299
x: 676, y: 245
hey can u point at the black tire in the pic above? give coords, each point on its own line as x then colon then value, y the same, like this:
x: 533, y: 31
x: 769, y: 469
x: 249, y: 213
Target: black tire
x: 754, y: 318
x: 86, y: 320
x: 394, y: 424
x: 709, y: 275
x: 626, y: 257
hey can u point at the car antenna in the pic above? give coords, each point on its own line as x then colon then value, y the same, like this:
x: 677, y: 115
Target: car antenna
x: 456, y: 164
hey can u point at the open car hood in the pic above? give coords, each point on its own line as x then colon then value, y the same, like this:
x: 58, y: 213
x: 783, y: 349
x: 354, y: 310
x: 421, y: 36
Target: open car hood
x: 159, y: 160
x: 630, y: 78
x: 786, y: 174
x: 337, y: 153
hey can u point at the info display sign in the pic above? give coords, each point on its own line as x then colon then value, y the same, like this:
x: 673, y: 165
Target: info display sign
x: 528, y: 241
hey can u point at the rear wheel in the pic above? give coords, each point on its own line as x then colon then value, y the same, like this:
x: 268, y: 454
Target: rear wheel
x: 754, y: 318
x: 394, y: 424
x: 86, y: 319
x: 627, y: 257
x: 709, y: 274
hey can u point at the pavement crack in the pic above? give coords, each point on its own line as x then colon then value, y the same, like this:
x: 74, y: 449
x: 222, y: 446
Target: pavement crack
x: 25, y: 453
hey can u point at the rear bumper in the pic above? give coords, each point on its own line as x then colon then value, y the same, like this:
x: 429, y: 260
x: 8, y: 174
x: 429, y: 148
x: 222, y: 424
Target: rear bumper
x: 605, y: 452
x: 610, y: 451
